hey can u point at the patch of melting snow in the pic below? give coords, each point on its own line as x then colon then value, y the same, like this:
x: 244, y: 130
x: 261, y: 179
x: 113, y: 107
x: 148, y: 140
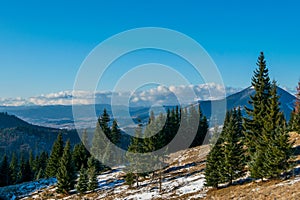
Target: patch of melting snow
x: 290, y: 182
x: 142, y: 195
x: 25, y: 189
x: 192, y: 185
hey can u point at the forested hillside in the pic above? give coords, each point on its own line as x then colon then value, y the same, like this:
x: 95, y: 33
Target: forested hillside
x: 19, y: 136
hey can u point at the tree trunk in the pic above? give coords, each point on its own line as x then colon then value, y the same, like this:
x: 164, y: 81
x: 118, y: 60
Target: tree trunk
x: 137, y: 180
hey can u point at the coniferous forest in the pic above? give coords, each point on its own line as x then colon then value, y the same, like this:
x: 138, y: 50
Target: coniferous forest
x: 257, y: 144
x: 253, y: 145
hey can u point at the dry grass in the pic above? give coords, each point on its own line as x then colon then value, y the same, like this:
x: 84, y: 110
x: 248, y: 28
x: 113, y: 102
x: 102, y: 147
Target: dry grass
x: 275, y: 189
x: 195, y: 154
x: 267, y: 190
x: 295, y: 137
x: 194, y: 158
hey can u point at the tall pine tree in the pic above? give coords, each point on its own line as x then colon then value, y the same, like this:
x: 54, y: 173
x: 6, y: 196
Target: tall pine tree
x: 93, y: 183
x: 4, y: 172
x: 214, y: 165
x: 92, y: 175
x: 254, y: 123
x: 102, y: 132
x: 82, y: 184
x: 276, y: 144
x: 14, y: 169
x: 55, y: 156
x: 233, y: 148
x: 111, y: 156
x: 136, y: 162
x: 66, y: 175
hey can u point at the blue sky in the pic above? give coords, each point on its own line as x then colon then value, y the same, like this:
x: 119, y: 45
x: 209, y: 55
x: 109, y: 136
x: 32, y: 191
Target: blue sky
x: 43, y: 44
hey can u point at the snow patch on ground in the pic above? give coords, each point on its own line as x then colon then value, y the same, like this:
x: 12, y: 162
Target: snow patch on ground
x: 176, y: 186
x: 22, y: 190
x: 290, y: 182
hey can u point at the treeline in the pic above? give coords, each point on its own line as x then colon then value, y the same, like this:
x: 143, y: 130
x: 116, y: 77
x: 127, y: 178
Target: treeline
x: 257, y: 144
x: 22, y: 170
x: 63, y: 163
x: 157, y: 133
x: 86, y: 159
x: 188, y: 124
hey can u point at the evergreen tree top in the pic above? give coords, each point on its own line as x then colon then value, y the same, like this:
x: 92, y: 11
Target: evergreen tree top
x: 261, y: 80
x: 104, y: 118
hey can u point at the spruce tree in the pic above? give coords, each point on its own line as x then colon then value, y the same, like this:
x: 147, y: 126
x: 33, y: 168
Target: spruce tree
x: 136, y: 162
x: 274, y: 117
x: 129, y: 179
x: 160, y: 137
x: 42, y: 164
x: 4, y: 172
x: 80, y: 153
x: 21, y: 167
x: 31, y: 161
x: 193, y: 126
x: 110, y: 156
x: 66, y: 175
x: 150, y: 132
x: 93, y: 183
x: 82, y: 184
x: 202, y: 128
x: 184, y: 126
x: 214, y: 165
x: 174, y: 123
x: 280, y: 151
x: 177, y: 117
x: 93, y: 162
x: 276, y: 145
x: 55, y: 156
x: 233, y: 149
x: 14, y: 169
x: 254, y: 123
x: 77, y: 157
x: 85, y: 140
x: 115, y: 133
x: 168, y: 128
x: 153, y: 141
x: 36, y: 166
x: 25, y: 173
x: 102, y: 132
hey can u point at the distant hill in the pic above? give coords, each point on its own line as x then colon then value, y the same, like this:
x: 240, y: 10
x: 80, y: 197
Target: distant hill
x: 19, y: 136
x: 10, y: 121
x: 61, y: 116
x: 239, y: 99
x: 242, y: 98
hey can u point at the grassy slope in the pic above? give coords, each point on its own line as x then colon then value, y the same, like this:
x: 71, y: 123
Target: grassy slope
x: 191, y: 163
x: 274, y: 189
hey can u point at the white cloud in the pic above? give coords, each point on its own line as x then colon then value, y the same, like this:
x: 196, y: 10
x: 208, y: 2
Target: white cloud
x: 162, y: 95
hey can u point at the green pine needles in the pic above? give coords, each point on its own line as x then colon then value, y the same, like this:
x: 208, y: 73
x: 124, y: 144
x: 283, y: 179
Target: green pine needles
x: 258, y: 143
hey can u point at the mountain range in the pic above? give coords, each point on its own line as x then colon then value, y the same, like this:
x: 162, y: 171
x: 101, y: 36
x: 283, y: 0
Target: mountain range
x: 18, y: 135
x: 61, y: 116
